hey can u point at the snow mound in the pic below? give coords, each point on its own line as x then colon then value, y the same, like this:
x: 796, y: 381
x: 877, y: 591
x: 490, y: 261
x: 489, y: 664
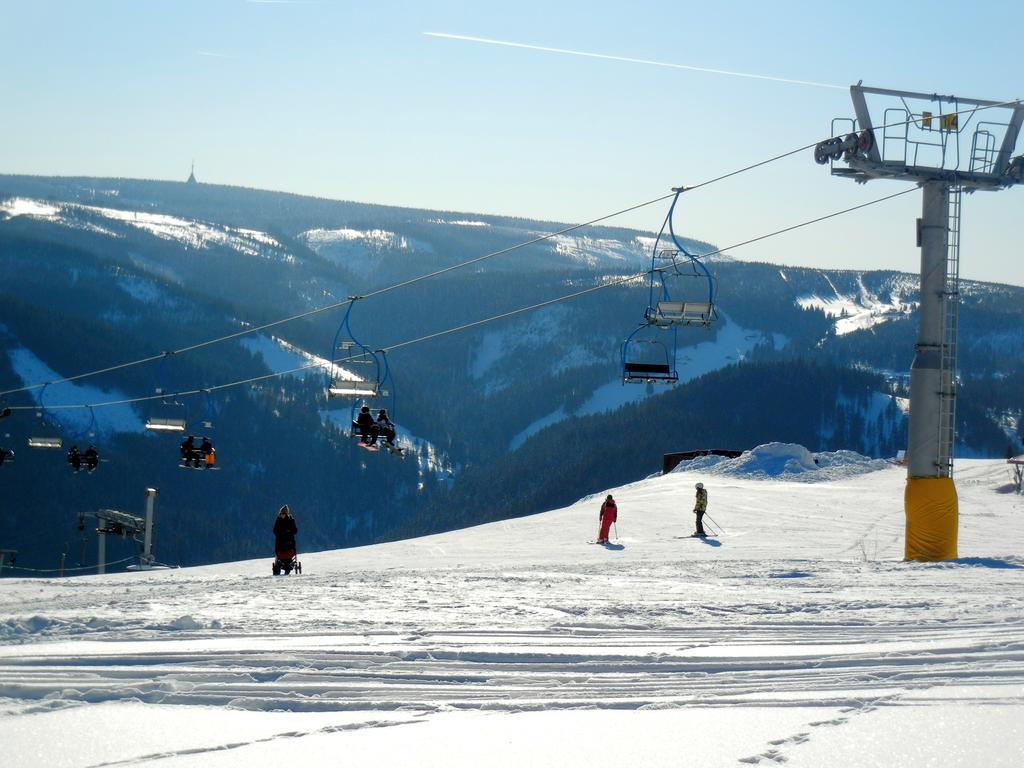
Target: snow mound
x: 788, y: 461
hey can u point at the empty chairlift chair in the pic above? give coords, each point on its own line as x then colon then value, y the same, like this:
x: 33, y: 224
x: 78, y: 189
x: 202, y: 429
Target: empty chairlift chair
x: 168, y: 417
x: 647, y: 360
x: 46, y: 433
x: 682, y: 313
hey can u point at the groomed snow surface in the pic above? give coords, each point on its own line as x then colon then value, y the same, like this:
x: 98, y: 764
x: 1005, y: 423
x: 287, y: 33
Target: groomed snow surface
x: 798, y: 636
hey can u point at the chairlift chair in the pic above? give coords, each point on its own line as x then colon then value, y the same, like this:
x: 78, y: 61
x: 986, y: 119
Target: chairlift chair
x: 356, y: 388
x: 47, y: 435
x: 647, y: 360
x: 353, y: 352
x: 46, y: 442
x: 169, y: 415
x: 672, y: 266
x: 683, y: 313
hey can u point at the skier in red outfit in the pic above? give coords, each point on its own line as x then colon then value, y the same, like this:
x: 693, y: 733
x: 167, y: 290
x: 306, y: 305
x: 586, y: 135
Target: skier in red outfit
x: 609, y: 514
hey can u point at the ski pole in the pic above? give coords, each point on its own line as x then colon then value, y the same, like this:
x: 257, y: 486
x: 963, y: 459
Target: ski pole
x: 615, y: 525
x: 715, y: 522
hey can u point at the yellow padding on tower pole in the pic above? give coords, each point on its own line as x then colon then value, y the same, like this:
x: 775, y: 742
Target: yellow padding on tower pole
x: 931, y: 506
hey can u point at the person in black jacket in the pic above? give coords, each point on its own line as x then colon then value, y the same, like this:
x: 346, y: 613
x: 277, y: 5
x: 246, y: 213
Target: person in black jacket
x: 385, y: 427
x: 284, y: 532
x: 189, y: 453
x: 284, y: 543
x: 365, y: 426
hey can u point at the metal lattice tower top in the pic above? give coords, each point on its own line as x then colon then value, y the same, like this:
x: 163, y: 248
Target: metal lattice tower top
x: 947, y: 145
x: 924, y: 137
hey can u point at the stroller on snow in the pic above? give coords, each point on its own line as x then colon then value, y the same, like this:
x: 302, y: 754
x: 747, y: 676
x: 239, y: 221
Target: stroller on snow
x: 287, y: 561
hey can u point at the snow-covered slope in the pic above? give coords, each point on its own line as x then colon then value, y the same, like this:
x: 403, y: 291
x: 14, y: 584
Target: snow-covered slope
x: 796, y: 636
x: 861, y: 309
x: 113, y: 221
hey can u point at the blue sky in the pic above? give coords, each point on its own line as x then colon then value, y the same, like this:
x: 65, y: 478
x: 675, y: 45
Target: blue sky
x: 352, y: 100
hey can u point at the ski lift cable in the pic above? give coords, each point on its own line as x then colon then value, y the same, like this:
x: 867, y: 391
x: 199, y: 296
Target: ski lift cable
x: 477, y: 323
x: 470, y: 262
x: 65, y: 570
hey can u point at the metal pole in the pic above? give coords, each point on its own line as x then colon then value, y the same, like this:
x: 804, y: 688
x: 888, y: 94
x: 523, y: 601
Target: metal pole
x: 930, y: 500
x: 101, y: 562
x: 923, y: 449
x: 147, y: 547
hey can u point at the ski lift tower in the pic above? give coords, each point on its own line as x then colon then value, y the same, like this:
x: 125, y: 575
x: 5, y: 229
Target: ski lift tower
x: 947, y: 145
x: 111, y: 522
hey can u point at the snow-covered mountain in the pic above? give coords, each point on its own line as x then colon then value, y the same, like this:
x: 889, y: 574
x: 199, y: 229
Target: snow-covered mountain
x: 796, y: 635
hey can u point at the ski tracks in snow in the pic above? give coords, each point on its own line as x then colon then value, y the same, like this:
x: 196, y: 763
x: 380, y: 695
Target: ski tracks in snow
x: 784, y: 633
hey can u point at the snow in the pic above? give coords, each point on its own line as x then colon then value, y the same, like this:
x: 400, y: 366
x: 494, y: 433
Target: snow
x: 280, y: 356
x: 860, y: 312
x: 76, y: 421
x: 360, y: 250
x: 498, y: 347
x: 194, y: 234
x: 798, y: 636
x: 143, y: 290
x: 22, y: 206
x: 595, y: 251
x: 794, y: 462
x: 460, y: 222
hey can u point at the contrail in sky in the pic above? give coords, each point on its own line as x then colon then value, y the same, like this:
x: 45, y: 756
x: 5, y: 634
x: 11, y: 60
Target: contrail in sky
x: 448, y: 36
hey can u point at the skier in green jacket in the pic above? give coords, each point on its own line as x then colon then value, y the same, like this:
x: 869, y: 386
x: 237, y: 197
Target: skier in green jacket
x: 699, y: 508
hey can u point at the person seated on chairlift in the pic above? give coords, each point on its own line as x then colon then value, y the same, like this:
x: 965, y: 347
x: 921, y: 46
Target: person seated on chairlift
x: 5, y: 455
x: 92, y: 458
x: 189, y: 452
x: 385, y: 427
x: 75, y: 458
x: 209, y: 454
x: 365, y: 426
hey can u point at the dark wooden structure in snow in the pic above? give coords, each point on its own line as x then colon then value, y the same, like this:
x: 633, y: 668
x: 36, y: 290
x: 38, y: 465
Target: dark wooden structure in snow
x: 669, y: 461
